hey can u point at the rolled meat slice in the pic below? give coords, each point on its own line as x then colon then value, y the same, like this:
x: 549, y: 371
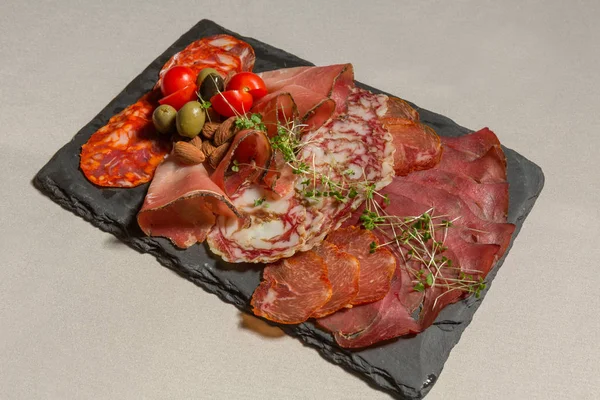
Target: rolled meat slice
x: 292, y: 289
x: 251, y: 152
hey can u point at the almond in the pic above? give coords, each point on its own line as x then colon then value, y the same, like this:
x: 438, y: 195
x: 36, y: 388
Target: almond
x: 217, y: 155
x: 225, y: 131
x: 196, y: 141
x: 208, y: 131
x: 187, y: 153
x: 207, y: 148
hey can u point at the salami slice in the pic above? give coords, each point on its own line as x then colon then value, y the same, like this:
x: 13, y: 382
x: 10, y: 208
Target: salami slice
x: 224, y: 53
x: 126, y: 151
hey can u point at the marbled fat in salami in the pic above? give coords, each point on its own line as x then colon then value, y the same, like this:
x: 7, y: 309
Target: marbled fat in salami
x: 280, y: 227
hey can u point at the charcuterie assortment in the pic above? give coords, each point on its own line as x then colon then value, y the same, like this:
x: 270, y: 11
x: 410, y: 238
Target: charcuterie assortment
x: 367, y: 222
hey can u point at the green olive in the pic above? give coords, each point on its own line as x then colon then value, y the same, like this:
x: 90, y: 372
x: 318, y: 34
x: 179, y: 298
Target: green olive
x: 203, y: 74
x: 190, y: 119
x: 211, y: 85
x: 164, y: 118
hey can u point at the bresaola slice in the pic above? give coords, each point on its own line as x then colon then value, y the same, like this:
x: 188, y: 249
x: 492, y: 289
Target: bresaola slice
x: 376, y: 267
x: 292, y: 289
x: 473, y: 244
x: 181, y: 204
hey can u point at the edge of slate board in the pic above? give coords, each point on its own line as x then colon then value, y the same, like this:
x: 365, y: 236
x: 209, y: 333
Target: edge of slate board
x: 406, y: 368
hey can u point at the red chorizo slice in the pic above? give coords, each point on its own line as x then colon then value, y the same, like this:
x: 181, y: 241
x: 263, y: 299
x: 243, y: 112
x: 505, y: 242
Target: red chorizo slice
x: 123, y: 153
x: 292, y: 289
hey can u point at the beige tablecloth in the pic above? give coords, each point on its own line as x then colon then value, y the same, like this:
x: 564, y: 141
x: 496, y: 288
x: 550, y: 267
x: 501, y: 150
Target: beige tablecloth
x: 84, y: 317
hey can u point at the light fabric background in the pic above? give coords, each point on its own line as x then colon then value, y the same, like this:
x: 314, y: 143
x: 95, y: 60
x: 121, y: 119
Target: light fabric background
x: 84, y: 317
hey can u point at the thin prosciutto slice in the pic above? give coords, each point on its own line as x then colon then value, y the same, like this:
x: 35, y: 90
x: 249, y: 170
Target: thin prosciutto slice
x: 181, y: 204
x: 313, y: 108
x: 292, y: 289
x: 339, y: 78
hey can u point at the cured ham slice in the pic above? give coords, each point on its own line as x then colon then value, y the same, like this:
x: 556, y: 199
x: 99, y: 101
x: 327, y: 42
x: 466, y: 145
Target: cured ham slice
x: 372, y: 323
x: 126, y: 151
x: 314, y: 109
x: 181, y: 204
x: 417, y: 145
x: 376, y: 267
x: 292, y: 289
x: 339, y: 79
x: 343, y: 271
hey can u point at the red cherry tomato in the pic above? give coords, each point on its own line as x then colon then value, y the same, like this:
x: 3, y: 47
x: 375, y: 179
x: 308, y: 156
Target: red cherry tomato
x: 180, y: 97
x: 232, y: 102
x: 248, y: 82
x: 177, y: 78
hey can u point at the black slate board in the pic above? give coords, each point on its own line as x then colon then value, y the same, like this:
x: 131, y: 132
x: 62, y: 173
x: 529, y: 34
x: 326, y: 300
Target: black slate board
x: 406, y: 368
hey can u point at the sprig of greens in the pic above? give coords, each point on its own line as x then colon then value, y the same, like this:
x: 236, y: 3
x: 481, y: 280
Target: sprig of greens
x: 254, y: 121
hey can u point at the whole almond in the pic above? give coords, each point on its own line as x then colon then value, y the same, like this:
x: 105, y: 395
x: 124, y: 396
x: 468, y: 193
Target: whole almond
x: 217, y: 155
x: 187, y: 153
x: 209, y: 128
x: 225, y: 131
x: 207, y: 148
x: 196, y: 141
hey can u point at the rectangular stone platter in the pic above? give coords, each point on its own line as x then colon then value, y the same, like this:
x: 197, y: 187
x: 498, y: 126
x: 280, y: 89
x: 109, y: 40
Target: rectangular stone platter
x: 406, y: 368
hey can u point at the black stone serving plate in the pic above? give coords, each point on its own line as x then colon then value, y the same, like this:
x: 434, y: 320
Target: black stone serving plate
x: 406, y: 367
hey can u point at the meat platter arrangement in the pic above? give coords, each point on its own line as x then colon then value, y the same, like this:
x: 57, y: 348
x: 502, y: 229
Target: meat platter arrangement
x: 364, y: 225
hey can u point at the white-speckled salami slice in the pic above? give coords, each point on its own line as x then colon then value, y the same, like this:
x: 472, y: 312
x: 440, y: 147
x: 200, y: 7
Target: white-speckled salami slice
x: 356, y: 141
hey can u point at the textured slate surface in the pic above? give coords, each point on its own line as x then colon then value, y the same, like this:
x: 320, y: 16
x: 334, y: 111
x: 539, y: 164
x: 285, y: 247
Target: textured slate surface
x: 407, y: 367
